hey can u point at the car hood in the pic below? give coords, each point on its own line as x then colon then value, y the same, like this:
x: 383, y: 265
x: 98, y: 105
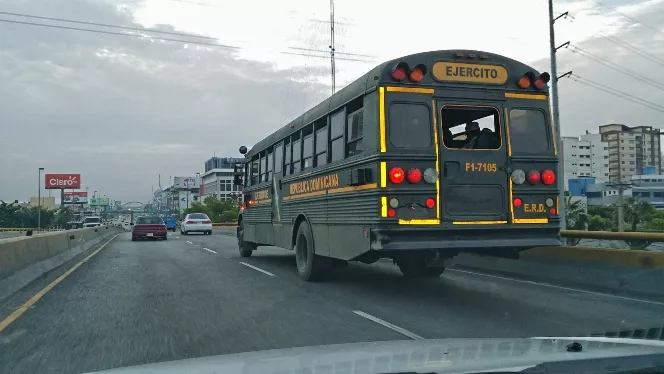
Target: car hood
x: 448, y: 355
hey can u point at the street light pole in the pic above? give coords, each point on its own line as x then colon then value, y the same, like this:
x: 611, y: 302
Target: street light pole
x: 39, y: 197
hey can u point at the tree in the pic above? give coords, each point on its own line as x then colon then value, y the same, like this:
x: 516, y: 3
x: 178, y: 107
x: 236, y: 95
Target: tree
x: 638, y: 211
x: 575, y: 216
x: 218, y: 210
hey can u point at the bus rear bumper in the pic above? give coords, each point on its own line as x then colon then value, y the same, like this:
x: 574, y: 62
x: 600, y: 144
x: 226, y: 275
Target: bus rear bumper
x: 452, y: 242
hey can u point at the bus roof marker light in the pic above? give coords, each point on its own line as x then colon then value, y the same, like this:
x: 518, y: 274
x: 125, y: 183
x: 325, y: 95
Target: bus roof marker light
x: 526, y: 80
x: 417, y: 73
x: 400, y: 71
x: 542, y: 80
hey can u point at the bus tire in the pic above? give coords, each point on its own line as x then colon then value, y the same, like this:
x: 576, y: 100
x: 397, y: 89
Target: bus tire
x: 246, y: 248
x: 417, y: 268
x: 310, y: 266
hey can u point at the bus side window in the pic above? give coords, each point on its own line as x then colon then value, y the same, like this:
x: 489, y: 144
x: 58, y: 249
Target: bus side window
x: 321, y: 146
x: 269, y: 162
x: 355, y: 132
x: 297, y: 156
x: 288, y: 170
x: 262, y: 168
x: 247, y: 180
x: 278, y: 158
x: 254, y: 170
x: 337, y: 121
x: 308, y: 147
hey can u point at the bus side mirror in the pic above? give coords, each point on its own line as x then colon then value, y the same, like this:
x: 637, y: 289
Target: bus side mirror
x: 237, y: 174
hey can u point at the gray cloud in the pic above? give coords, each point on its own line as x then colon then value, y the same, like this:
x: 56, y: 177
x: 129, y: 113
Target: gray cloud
x: 121, y: 110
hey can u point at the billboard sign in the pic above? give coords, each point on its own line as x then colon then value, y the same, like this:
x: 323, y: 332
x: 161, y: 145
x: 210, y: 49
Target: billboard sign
x: 62, y: 181
x: 76, y: 198
x: 187, y: 182
x: 99, y: 201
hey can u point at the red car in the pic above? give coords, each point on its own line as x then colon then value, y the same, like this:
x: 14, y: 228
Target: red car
x: 148, y: 228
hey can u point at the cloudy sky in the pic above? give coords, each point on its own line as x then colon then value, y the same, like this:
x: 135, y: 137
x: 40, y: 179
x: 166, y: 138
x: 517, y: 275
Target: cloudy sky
x: 122, y: 110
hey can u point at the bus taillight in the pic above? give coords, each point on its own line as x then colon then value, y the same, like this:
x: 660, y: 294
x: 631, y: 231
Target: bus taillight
x: 430, y: 202
x: 414, y: 175
x: 391, y: 213
x: 542, y: 80
x: 526, y: 80
x: 417, y: 73
x: 548, y: 177
x: 396, y: 175
x: 517, y: 202
x: 533, y: 177
x: 400, y: 71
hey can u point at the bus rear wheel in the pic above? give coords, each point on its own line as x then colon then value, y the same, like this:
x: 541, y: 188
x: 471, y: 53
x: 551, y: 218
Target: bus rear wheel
x: 310, y: 266
x: 417, y: 268
x: 246, y: 248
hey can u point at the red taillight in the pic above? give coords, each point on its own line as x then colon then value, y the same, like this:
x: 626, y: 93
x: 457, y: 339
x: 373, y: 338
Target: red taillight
x: 391, y: 213
x: 517, y: 202
x: 539, y: 84
x: 548, y: 177
x: 430, y: 203
x: 417, y: 73
x: 190, y: 222
x: 396, y: 175
x: 533, y: 177
x: 552, y: 211
x: 399, y: 73
x: 207, y: 221
x: 414, y: 175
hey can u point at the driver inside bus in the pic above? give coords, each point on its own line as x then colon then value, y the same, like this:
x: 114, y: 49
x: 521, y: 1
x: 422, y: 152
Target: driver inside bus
x: 472, y: 132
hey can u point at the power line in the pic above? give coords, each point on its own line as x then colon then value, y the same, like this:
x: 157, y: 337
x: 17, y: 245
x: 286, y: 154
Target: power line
x: 141, y: 36
x: 106, y: 25
x: 617, y: 93
x: 626, y: 16
x: 614, y: 66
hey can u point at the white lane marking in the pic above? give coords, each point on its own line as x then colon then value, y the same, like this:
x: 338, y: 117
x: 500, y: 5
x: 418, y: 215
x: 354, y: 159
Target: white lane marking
x: 189, y: 242
x: 258, y: 269
x: 388, y: 325
x: 209, y: 250
x: 561, y: 287
x: 177, y: 237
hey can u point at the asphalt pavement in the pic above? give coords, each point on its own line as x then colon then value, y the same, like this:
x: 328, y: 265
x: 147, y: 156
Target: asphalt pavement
x: 193, y: 296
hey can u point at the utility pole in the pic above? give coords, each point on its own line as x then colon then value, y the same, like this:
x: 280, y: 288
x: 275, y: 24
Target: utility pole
x: 39, y: 197
x: 555, y: 114
x: 621, y: 186
x: 332, y: 62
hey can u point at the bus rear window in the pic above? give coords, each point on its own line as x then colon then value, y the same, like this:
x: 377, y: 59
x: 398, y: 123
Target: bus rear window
x: 410, y: 125
x: 471, y: 128
x: 528, y: 131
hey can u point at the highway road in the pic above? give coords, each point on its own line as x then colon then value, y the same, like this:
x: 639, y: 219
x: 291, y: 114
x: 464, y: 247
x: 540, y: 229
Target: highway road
x: 192, y: 296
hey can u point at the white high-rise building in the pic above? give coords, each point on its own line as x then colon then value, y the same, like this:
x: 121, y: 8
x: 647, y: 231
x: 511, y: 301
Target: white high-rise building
x: 586, y: 156
x: 631, y: 149
x: 218, y: 178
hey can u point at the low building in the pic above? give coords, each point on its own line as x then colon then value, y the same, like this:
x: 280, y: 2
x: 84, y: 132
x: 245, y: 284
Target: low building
x: 218, y: 178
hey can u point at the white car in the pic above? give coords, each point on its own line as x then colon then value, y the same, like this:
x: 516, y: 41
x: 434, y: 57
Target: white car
x: 196, y: 222
x: 92, y: 221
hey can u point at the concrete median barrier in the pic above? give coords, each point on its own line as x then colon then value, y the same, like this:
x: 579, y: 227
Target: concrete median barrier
x: 621, y: 272
x: 24, y: 259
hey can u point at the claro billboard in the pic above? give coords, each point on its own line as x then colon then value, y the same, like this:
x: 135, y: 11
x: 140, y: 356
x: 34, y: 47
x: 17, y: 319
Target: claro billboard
x: 62, y: 181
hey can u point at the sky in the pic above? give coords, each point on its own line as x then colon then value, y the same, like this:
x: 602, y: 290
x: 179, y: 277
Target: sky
x: 123, y: 110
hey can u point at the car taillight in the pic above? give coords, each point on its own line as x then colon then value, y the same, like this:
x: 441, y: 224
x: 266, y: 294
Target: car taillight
x: 414, y: 175
x: 548, y: 177
x: 207, y: 221
x: 430, y: 203
x: 396, y: 175
x: 533, y: 177
x: 517, y: 202
x: 190, y: 222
